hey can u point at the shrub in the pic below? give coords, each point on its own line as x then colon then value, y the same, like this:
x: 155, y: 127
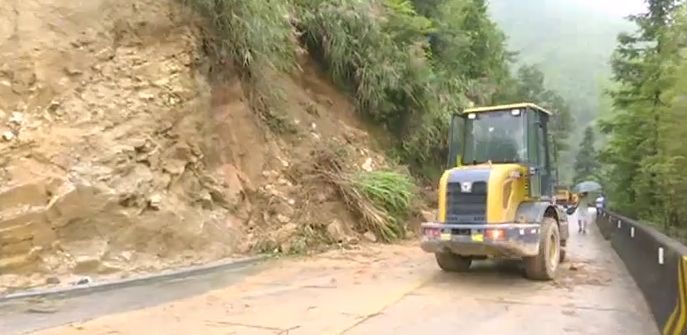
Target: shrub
x: 253, y: 34
x: 381, y: 199
x: 380, y: 51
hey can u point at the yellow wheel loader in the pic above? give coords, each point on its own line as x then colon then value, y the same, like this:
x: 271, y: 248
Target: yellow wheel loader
x: 563, y: 196
x: 496, y: 197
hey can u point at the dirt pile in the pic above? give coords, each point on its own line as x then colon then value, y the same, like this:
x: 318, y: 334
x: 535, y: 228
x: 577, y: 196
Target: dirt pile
x: 118, y: 154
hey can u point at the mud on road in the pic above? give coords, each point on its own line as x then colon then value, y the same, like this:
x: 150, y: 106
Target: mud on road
x: 397, y: 290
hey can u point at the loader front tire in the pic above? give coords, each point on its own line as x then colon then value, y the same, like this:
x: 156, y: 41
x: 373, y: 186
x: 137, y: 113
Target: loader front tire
x: 544, y: 265
x: 450, y: 262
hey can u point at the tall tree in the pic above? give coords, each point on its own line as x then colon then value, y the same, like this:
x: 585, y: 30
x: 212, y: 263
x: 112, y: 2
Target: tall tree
x: 633, y: 153
x: 529, y: 86
x: 586, y: 162
x: 467, y: 46
x: 668, y: 165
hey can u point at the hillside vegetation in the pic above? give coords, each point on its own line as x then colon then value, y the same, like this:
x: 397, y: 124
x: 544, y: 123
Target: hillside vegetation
x: 644, y: 157
x: 407, y: 64
x: 571, y: 42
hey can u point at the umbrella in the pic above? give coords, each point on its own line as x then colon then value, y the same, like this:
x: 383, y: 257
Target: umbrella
x: 587, y: 187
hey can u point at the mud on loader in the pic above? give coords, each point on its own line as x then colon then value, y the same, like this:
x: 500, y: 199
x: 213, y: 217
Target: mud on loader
x: 496, y: 197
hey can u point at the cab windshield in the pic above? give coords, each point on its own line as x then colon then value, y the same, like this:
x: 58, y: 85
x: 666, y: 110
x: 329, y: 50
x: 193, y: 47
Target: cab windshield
x: 498, y: 137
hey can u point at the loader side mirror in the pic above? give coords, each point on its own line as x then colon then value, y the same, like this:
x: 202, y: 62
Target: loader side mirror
x: 533, y: 170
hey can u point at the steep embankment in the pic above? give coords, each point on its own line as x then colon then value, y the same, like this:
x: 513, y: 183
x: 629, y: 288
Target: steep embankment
x: 118, y: 154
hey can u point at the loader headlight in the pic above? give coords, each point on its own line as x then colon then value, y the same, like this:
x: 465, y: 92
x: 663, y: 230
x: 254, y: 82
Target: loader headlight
x: 495, y: 234
x: 432, y: 232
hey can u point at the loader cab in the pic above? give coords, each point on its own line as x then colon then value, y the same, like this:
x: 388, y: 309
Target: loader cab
x: 507, y: 134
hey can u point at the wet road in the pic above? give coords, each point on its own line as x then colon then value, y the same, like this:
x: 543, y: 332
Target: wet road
x: 374, y: 290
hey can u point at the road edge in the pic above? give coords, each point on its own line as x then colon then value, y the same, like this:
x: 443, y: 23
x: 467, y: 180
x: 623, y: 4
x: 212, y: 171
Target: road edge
x: 73, y: 291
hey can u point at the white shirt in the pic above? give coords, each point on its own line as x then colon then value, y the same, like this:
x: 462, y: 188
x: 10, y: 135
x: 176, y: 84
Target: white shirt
x: 600, y: 201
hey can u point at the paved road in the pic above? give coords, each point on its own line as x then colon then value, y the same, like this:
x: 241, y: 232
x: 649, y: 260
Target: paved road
x: 388, y: 290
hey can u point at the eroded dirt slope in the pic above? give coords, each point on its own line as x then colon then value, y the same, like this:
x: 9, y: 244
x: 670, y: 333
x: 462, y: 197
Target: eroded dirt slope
x: 118, y: 154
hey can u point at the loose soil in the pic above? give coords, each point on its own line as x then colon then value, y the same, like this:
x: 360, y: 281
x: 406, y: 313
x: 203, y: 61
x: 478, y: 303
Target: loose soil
x: 119, y: 155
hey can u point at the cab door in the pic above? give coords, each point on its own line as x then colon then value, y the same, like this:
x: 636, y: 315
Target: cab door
x: 548, y: 175
x: 535, y: 145
x: 455, y: 141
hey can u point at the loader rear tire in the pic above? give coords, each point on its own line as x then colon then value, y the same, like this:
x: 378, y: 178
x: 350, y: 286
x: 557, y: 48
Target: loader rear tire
x: 450, y: 262
x: 544, y: 265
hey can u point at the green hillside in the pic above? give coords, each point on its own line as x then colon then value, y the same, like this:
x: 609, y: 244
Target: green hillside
x: 570, y: 43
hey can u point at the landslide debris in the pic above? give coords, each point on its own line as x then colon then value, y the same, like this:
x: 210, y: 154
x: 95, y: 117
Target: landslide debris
x: 122, y: 151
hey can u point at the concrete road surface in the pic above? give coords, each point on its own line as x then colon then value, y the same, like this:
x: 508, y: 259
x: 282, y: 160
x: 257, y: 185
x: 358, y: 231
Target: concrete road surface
x: 389, y: 290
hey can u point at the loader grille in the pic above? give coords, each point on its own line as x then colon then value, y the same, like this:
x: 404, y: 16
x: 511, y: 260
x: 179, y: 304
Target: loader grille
x: 466, y: 208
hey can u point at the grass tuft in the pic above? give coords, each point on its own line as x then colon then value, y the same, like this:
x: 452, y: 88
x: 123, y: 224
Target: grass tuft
x: 253, y: 34
x: 256, y: 38
x: 381, y: 199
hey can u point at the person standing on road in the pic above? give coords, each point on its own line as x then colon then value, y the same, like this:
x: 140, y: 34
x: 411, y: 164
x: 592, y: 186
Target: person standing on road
x: 600, y: 204
x: 582, y: 212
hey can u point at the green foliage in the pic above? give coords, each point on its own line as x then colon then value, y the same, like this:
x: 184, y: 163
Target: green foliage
x: 392, y: 194
x: 408, y: 64
x: 253, y: 34
x: 377, y: 49
x: 387, y: 189
x: 469, y: 46
x: 256, y: 38
x: 366, y: 54
x: 643, y: 161
x: 409, y: 69
x: 381, y: 199
x: 570, y: 41
x: 529, y: 86
x: 586, y: 162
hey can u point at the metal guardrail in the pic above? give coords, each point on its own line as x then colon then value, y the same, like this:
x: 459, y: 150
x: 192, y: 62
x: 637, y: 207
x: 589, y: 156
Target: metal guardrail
x: 658, y: 265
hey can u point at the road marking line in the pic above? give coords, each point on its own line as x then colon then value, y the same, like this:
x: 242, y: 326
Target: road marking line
x: 680, y: 306
x: 669, y: 324
x: 244, y: 325
x: 680, y: 326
